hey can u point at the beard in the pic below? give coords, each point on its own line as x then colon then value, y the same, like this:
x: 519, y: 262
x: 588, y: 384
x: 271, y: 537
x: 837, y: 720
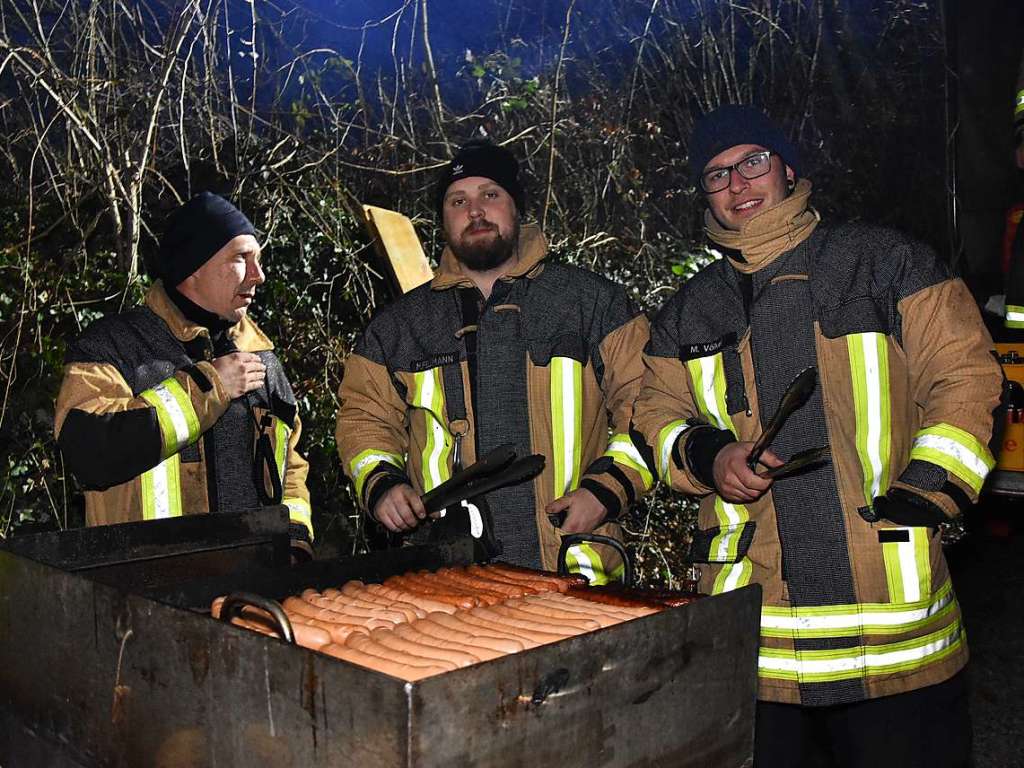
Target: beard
x: 488, y: 254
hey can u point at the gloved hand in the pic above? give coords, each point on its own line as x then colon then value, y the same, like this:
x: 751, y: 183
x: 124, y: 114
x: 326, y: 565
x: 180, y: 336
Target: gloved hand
x: 904, y: 507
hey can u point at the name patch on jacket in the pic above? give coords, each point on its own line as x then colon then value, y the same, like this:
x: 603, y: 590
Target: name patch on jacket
x: 435, y: 361
x: 694, y: 350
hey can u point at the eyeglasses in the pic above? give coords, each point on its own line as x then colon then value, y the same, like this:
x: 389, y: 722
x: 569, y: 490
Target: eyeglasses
x: 750, y: 167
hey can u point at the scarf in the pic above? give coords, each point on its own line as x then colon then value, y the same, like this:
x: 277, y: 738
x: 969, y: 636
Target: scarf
x: 768, y: 234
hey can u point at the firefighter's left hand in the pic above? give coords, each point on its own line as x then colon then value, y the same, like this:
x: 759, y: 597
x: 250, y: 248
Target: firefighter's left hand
x: 583, y: 511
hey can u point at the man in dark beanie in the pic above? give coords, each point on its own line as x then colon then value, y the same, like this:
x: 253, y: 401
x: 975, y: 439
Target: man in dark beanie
x: 503, y: 346
x: 862, y: 648
x: 179, y: 406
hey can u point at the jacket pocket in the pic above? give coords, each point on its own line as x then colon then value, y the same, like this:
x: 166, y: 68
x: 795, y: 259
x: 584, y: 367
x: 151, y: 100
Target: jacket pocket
x: 908, y: 571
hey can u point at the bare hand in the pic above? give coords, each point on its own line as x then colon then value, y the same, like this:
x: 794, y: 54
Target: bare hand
x: 400, y: 509
x: 734, y: 480
x: 240, y: 372
x: 584, y: 511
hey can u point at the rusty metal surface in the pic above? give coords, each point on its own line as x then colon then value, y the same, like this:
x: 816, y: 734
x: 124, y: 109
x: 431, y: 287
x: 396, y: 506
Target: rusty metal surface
x: 102, y: 677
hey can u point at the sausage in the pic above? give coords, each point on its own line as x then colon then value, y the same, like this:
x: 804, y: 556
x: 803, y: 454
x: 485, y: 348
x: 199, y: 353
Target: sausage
x: 412, y: 584
x: 339, y: 632
x: 358, y: 590
x: 560, y: 583
x: 573, y: 624
x: 486, y: 619
x: 386, y: 666
x: 422, y: 602
x: 514, y: 618
x: 550, y: 611
x: 478, y: 590
x: 396, y: 615
x: 300, y: 606
x: 409, y: 632
x: 629, y: 612
x: 488, y: 572
x: 481, y: 633
x: 431, y: 651
x: 258, y: 620
x: 367, y: 645
x: 350, y: 608
x: 611, y: 598
x: 507, y: 587
x: 503, y: 589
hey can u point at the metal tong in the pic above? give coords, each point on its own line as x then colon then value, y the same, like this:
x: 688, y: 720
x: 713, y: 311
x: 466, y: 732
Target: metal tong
x: 497, y: 469
x: 796, y: 395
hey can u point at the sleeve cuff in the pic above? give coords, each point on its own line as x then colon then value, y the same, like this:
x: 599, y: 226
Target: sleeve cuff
x: 702, y: 447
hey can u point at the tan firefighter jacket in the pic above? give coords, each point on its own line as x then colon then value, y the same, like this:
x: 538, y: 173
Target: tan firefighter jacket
x: 142, y: 412
x: 854, y: 606
x: 549, y: 364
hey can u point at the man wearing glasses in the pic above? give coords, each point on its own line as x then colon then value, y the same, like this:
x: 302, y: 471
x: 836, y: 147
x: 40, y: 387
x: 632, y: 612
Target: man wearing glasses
x: 861, y: 640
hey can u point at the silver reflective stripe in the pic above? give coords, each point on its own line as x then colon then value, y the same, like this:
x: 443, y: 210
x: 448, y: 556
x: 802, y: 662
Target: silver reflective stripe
x: 575, y: 556
x: 429, y: 395
x: 161, y: 490
x: 666, y: 441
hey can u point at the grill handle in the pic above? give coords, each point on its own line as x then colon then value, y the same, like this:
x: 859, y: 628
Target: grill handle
x: 572, y: 539
x: 236, y: 601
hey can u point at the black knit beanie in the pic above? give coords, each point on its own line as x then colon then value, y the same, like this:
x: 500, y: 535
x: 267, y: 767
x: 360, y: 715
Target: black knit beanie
x: 730, y: 125
x: 481, y: 157
x: 195, y: 232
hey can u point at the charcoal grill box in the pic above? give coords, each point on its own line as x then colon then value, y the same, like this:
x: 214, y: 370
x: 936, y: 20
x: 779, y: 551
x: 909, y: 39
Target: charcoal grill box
x: 108, y: 657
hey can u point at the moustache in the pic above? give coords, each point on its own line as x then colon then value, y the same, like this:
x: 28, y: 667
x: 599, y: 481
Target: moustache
x: 479, y: 226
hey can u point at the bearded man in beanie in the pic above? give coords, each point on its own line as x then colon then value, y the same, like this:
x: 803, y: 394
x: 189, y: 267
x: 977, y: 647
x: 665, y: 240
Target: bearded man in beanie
x: 502, y: 346
x: 862, y: 646
x: 179, y: 406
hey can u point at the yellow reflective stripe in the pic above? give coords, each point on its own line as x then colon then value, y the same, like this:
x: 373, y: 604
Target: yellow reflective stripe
x: 858, y: 618
x: 299, y: 512
x: 907, y: 566
x: 860, y: 661
x: 566, y: 386
x: 584, y: 560
x: 179, y: 425
x: 281, y: 435
x: 622, y: 450
x: 366, y: 461
x: 869, y: 368
x: 708, y: 376
x: 732, y: 576
x: 956, y: 451
x: 161, y: 490
x: 428, y: 394
x: 731, y: 520
x: 1019, y: 107
x: 666, y: 441
x: 1014, y: 316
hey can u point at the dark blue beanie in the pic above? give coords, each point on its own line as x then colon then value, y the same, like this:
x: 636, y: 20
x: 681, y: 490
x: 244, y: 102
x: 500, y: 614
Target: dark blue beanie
x: 195, y: 232
x: 730, y: 125
x: 481, y: 157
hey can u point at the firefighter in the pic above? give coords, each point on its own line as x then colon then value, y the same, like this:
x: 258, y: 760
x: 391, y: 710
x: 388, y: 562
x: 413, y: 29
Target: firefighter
x: 862, y: 645
x: 503, y: 346
x: 179, y: 406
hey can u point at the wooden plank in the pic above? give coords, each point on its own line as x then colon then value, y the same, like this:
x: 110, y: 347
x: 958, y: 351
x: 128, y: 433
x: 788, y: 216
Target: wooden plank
x: 396, y: 242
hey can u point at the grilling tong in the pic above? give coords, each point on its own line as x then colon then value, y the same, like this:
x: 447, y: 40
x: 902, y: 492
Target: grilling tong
x: 459, y: 500
x: 794, y: 398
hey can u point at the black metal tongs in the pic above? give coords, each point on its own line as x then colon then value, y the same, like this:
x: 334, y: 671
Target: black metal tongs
x: 795, y: 397
x: 497, y: 469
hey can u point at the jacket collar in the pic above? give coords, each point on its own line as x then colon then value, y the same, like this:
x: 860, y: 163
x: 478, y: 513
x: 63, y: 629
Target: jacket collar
x: 533, y: 247
x: 245, y: 333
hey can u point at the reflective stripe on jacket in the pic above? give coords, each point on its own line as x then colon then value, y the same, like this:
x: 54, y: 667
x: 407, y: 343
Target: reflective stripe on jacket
x: 137, y: 403
x: 860, y: 607
x: 555, y: 369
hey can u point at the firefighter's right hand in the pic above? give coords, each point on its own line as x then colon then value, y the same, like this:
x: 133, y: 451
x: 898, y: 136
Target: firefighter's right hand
x: 400, y: 508
x: 240, y: 372
x: 735, y: 481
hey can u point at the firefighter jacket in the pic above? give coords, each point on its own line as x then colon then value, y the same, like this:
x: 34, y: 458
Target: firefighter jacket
x: 854, y: 606
x: 144, y: 422
x: 549, y: 362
